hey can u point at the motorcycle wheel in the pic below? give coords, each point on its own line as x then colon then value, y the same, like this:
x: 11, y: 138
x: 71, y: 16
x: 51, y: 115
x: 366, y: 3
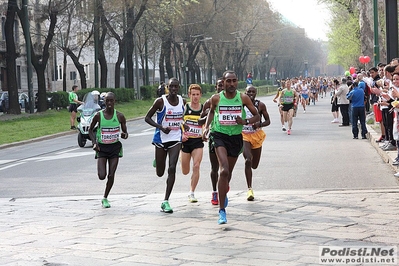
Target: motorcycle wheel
x: 81, y: 140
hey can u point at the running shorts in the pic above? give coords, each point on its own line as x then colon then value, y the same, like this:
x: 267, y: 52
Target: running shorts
x: 233, y: 144
x: 287, y: 107
x: 167, y: 145
x: 255, y: 139
x: 192, y: 144
x: 110, y: 151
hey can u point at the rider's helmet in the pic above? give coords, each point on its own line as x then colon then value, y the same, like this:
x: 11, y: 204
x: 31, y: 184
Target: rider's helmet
x: 96, y: 95
x: 102, y: 95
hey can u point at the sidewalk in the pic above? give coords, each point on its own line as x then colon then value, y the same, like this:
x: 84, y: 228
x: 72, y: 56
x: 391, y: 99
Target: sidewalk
x: 278, y: 228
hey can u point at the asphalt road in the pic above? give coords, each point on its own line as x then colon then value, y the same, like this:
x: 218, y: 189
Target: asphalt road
x: 318, y: 155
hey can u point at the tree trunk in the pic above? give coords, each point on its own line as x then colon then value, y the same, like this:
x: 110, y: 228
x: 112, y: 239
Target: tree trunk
x: 11, y: 56
x: 39, y: 61
x: 366, y: 27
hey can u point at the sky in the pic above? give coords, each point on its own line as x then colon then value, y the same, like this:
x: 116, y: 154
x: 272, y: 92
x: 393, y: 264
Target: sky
x: 306, y: 14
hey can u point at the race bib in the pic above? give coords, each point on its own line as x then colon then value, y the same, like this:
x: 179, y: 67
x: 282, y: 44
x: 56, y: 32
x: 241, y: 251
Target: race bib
x: 110, y: 135
x: 195, y: 130
x: 228, y: 114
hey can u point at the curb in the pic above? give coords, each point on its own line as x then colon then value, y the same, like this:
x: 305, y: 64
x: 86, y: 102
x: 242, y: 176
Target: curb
x: 60, y: 134
x: 387, y: 156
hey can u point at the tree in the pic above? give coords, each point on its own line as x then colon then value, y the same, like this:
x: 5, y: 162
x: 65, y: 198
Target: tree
x: 40, y: 51
x: 11, y: 56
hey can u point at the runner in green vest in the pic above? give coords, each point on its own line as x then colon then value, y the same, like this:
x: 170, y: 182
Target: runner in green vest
x: 228, y: 117
x: 106, y: 142
x: 288, y: 101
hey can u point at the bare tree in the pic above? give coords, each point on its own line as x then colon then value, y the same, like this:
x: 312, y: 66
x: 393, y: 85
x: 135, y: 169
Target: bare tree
x: 11, y: 56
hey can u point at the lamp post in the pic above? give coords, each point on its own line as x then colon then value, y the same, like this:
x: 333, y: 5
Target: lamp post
x: 376, y: 41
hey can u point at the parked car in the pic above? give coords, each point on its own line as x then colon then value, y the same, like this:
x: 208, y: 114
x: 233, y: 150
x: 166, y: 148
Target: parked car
x: 3, y: 101
x: 21, y: 98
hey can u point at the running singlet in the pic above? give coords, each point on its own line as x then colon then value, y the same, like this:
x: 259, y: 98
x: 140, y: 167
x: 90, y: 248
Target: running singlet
x: 226, y: 112
x: 287, y: 96
x: 172, y: 117
x: 72, y: 96
x: 248, y: 128
x: 190, y: 118
x: 109, y: 130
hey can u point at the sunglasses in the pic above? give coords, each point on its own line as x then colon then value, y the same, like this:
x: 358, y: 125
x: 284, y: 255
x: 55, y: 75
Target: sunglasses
x: 231, y: 80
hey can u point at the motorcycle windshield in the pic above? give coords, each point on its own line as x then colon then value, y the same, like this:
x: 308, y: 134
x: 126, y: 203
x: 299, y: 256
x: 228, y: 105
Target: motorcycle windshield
x: 90, y: 104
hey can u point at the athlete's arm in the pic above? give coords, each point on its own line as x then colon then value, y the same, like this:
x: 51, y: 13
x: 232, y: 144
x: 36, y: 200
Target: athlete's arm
x: 204, y: 112
x: 122, y: 120
x: 251, y: 107
x: 213, y: 103
x: 157, y: 106
x: 277, y: 95
x: 92, y: 135
x: 262, y: 112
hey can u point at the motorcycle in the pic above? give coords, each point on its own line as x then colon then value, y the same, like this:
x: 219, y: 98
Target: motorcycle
x: 86, y: 113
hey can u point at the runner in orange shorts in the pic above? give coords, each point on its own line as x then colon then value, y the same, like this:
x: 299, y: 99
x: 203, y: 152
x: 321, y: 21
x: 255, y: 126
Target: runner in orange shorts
x: 253, y: 137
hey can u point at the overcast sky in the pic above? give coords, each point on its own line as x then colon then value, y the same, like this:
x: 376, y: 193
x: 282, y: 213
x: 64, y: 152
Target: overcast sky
x: 306, y: 14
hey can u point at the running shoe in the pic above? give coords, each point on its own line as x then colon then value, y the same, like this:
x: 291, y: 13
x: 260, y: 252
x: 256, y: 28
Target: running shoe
x: 105, y: 203
x: 191, y: 198
x: 389, y: 147
x: 289, y: 132
x: 73, y: 127
x: 215, y: 200
x: 222, y: 217
x: 165, y: 207
x: 395, y: 162
x: 250, y: 195
x: 283, y: 128
x: 396, y: 175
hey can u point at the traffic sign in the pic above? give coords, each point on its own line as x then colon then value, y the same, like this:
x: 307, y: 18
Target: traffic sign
x: 273, y: 71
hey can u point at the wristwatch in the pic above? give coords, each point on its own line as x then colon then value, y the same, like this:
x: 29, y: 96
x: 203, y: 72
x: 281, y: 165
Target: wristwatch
x: 246, y: 121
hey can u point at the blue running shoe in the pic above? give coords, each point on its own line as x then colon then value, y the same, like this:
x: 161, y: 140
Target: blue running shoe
x: 226, y: 201
x: 222, y: 217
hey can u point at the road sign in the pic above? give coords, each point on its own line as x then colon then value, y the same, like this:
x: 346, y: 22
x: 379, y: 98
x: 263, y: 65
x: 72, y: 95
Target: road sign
x: 273, y: 71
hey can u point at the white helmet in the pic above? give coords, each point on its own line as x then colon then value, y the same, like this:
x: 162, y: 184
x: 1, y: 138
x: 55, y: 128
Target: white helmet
x: 102, y: 95
x: 95, y: 92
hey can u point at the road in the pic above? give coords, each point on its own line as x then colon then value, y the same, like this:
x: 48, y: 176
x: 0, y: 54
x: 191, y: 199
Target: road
x: 318, y: 155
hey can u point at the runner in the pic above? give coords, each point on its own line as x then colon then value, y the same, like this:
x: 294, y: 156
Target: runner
x: 253, y: 137
x: 276, y: 99
x: 304, y: 91
x: 192, y: 146
x: 106, y: 142
x: 228, y: 116
x: 167, y: 137
x: 212, y: 155
x: 288, y: 100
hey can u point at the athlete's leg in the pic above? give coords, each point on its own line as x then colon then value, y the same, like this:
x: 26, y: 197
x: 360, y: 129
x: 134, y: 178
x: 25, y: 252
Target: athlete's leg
x: 112, y: 165
x: 102, y: 168
x: 214, y: 169
x: 185, y: 159
x: 256, y: 153
x: 197, y: 158
x: 173, y: 158
x: 160, y: 159
x: 248, y: 163
x: 290, y: 114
